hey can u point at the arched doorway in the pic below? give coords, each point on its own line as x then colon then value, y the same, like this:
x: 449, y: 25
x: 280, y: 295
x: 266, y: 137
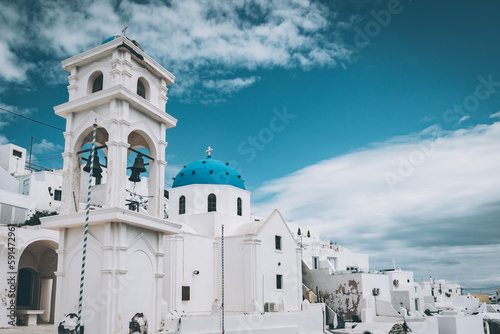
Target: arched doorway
x: 36, y: 280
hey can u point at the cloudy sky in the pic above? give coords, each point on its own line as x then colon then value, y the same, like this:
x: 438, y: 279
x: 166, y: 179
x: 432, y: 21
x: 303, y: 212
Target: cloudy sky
x: 376, y: 121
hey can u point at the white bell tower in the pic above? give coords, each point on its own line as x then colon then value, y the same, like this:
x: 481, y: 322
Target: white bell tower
x: 121, y: 89
x: 124, y: 90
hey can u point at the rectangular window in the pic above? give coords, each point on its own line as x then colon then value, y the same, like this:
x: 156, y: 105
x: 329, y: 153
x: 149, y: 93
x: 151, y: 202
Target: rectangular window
x: 333, y: 264
x: 279, y: 282
x: 57, y: 195
x: 26, y: 187
x: 17, y: 154
x: 186, y: 293
x: 277, y: 242
x: 315, y: 262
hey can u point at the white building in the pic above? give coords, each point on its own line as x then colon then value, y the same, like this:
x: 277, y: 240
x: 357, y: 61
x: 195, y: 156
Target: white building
x: 405, y: 292
x: 172, y: 270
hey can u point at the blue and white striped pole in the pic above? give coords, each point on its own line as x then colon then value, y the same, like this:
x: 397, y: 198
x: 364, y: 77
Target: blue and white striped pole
x: 222, y: 261
x: 84, y: 255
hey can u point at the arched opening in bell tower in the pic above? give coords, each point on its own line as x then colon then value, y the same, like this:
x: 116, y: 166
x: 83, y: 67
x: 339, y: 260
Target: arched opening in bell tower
x: 143, y: 88
x: 142, y: 180
x: 99, y: 168
x: 96, y: 81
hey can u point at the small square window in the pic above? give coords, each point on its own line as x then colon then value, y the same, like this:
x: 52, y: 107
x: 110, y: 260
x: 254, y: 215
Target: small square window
x: 277, y: 242
x: 279, y: 282
x: 57, y: 195
x: 186, y: 293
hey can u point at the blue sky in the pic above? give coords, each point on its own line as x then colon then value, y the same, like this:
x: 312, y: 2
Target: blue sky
x: 373, y: 120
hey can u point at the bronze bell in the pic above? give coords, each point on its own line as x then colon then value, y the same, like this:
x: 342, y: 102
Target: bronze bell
x: 96, y: 170
x: 137, y: 169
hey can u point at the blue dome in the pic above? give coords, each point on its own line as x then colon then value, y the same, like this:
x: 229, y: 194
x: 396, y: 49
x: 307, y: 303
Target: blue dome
x: 208, y: 171
x: 109, y: 39
x: 112, y: 38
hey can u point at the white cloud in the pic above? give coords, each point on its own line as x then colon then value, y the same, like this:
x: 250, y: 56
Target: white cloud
x: 230, y: 86
x: 188, y: 37
x: 45, y: 146
x: 411, y: 197
x: 463, y: 119
x: 3, y: 140
x: 495, y: 115
x: 6, y: 117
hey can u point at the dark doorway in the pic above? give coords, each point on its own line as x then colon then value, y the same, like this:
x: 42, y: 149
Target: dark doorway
x: 26, y: 288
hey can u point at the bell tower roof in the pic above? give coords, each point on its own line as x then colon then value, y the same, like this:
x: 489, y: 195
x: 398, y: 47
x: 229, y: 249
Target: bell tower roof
x: 107, y: 49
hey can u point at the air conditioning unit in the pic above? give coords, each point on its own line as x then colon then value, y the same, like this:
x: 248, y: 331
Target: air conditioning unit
x: 376, y: 291
x: 270, y: 307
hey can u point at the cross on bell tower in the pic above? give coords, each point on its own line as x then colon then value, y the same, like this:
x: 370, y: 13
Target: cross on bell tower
x: 125, y: 27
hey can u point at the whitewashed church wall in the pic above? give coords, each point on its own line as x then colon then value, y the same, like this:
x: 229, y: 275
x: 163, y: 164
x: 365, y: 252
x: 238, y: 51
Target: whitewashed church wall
x: 198, y: 273
x: 197, y: 200
x: 280, y: 262
x: 83, y: 74
x: 234, y: 282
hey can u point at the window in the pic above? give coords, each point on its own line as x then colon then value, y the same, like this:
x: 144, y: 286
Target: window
x: 182, y: 205
x: 279, y: 282
x: 57, y: 195
x: 141, y: 90
x: 333, y: 262
x: 97, y: 85
x: 212, y: 203
x: 277, y: 242
x: 315, y: 262
x: 17, y: 153
x: 26, y: 187
x: 238, y: 207
x: 186, y: 293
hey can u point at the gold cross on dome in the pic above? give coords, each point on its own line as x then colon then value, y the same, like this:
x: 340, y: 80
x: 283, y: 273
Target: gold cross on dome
x: 209, y: 150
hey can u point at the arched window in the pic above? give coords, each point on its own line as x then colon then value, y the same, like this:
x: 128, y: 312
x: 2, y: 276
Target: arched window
x: 212, y: 203
x: 182, y: 205
x: 97, y: 84
x: 238, y: 207
x: 141, y: 90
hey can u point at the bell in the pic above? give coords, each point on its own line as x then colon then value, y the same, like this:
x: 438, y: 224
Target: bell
x: 96, y: 170
x: 137, y: 169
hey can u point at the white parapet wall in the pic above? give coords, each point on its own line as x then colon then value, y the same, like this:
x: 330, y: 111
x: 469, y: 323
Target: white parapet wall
x: 309, y: 321
x: 460, y: 324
